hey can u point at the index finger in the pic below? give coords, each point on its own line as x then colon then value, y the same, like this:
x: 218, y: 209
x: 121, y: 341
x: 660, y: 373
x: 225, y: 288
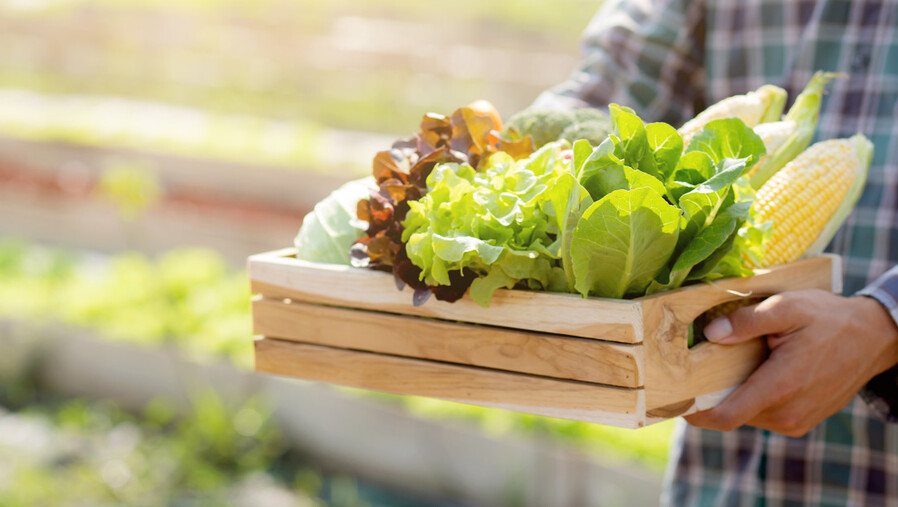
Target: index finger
x: 775, y: 315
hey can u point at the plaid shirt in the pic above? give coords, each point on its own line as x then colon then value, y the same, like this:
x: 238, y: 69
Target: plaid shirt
x: 669, y: 59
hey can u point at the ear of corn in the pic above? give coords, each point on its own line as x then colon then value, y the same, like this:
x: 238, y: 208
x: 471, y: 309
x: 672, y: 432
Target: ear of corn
x: 864, y: 149
x: 810, y: 197
x: 760, y: 106
x: 785, y: 139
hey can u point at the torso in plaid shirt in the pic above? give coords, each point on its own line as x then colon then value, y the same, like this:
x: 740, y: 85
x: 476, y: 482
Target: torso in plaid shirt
x: 670, y: 59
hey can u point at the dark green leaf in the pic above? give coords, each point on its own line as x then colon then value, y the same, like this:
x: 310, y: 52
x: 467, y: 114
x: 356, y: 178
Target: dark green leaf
x: 701, y: 269
x: 728, y: 138
x: 692, y: 169
x: 710, y: 238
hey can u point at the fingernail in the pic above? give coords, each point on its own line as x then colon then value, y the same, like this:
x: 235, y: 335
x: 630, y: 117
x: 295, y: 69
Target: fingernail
x: 718, y: 330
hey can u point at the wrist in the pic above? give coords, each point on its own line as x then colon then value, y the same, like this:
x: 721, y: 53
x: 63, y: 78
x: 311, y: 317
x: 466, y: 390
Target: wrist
x: 879, y: 328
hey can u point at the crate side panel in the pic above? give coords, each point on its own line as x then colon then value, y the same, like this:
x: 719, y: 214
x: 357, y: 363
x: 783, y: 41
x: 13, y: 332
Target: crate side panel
x: 524, y: 393
x: 690, y: 302
x: 487, y: 346
x: 286, y: 277
x: 675, y: 373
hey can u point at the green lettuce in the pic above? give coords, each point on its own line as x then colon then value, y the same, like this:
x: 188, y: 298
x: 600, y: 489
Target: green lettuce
x: 612, y: 236
x: 634, y: 215
x: 622, y: 241
x: 500, y: 222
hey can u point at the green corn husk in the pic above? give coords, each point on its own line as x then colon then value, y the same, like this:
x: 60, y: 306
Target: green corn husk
x: 801, y: 120
x: 776, y: 101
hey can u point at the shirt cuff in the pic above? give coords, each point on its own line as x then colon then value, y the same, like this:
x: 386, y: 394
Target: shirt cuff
x: 881, y: 393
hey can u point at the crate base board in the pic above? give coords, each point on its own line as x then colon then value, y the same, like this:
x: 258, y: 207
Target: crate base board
x: 616, y: 406
x: 559, y: 356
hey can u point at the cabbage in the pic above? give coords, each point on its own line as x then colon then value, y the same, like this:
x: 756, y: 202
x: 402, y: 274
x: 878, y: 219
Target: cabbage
x: 330, y: 229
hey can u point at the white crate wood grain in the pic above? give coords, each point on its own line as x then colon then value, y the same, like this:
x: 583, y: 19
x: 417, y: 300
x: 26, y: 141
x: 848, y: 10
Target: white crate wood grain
x: 609, y: 361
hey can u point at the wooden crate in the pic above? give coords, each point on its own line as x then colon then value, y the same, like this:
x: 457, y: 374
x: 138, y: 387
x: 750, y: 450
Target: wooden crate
x: 617, y: 362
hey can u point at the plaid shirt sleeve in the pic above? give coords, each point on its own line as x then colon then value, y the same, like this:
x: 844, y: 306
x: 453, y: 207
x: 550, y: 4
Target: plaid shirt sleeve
x: 881, y: 393
x: 646, y: 54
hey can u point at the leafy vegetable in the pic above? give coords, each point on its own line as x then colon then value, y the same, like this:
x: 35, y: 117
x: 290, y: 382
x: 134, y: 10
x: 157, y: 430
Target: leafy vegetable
x: 666, y: 146
x: 497, y: 224
x: 622, y: 241
x: 599, y: 255
x: 467, y: 136
x: 728, y: 138
x: 330, y: 229
x: 634, y: 215
x: 747, y: 243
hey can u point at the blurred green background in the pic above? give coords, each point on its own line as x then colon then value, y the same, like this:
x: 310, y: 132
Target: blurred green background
x: 146, y: 148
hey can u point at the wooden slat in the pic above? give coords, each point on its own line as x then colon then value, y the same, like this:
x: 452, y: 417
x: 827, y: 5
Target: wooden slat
x: 615, y: 406
x: 820, y: 272
x: 277, y: 276
x: 492, y: 347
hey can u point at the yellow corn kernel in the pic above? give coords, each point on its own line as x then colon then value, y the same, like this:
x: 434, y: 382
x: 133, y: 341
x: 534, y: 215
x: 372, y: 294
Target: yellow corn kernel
x: 802, y: 197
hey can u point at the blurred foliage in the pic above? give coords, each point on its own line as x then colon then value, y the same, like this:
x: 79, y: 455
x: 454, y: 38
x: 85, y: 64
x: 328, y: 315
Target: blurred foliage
x: 267, y: 81
x: 56, y: 452
x: 188, y: 298
x: 645, y: 447
x: 142, y: 125
x: 210, y: 450
x: 521, y: 14
x: 131, y: 187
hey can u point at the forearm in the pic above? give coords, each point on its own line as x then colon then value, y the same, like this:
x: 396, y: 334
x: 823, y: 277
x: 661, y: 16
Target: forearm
x: 644, y: 54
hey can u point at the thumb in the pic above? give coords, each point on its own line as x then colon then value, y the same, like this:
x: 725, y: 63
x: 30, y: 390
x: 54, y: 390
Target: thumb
x: 764, y: 318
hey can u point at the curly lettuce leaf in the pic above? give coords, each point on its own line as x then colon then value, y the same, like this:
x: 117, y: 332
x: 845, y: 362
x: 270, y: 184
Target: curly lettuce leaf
x: 500, y: 223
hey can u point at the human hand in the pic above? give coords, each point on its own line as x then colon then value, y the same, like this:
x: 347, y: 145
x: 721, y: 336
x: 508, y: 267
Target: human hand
x: 824, y: 349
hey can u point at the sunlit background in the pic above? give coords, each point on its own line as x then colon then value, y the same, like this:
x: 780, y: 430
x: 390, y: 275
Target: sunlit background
x: 146, y: 149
